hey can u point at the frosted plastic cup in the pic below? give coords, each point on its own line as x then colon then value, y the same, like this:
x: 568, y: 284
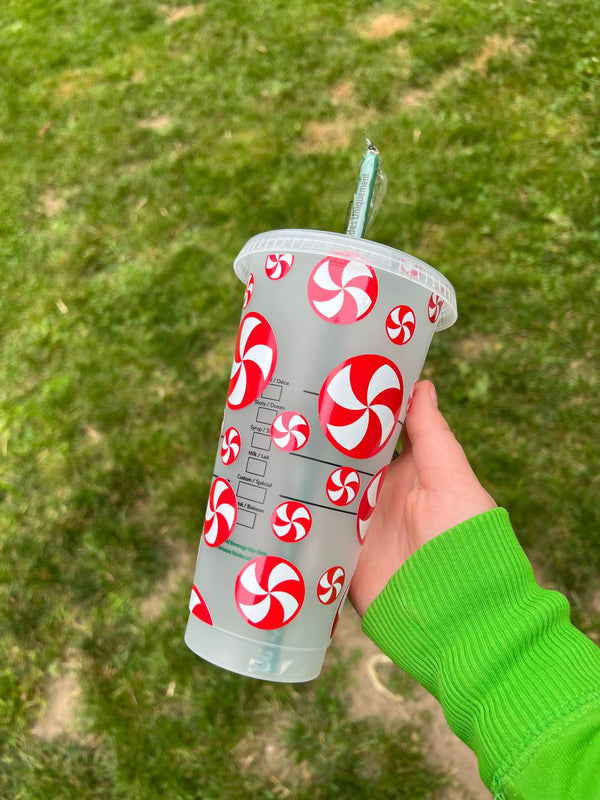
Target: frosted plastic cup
x: 333, y: 335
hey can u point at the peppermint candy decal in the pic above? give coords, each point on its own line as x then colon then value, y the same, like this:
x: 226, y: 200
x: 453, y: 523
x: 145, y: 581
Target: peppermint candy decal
x: 278, y: 265
x: 359, y: 405
x: 290, y: 431
x: 221, y: 514
x: 230, y: 446
x: 368, y: 502
x: 400, y: 324
x: 249, y: 290
x: 336, y: 619
x: 434, y: 308
x: 254, y: 361
x: 330, y: 585
x: 291, y: 521
x: 198, y: 607
x: 342, y: 291
x: 342, y: 486
x: 269, y: 592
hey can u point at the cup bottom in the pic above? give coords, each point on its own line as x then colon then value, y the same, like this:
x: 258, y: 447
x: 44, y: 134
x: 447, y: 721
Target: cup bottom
x: 254, y: 659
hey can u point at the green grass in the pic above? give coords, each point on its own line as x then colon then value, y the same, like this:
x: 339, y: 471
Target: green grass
x: 138, y: 155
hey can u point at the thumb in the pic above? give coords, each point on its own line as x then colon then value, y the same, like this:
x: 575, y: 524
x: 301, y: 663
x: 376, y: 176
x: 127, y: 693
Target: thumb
x: 438, y: 457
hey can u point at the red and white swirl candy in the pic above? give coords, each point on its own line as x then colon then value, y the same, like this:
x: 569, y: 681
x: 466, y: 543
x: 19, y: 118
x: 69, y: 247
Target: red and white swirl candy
x: 198, y: 607
x: 342, y: 486
x: 341, y: 290
x: 230, y: 446
x: 291, y: 521
x: 254, y: 361
x: 221, y: 514
x: 330, y: 585
x: 400, y: 324
x: 269, y: 592
x: 249, y: 290
x: 368, y: 502
x: 290, y: 431
x: 359, y: 405
x: 278, y: 265
x: 434, y: 308
x: 336, y: 618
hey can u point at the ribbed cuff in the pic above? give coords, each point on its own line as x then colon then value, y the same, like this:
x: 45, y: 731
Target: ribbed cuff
x: 466, y: 618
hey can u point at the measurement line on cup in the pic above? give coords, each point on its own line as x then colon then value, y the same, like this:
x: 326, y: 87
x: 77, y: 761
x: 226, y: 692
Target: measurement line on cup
x: 307, y: 391
x: 318, y: 505
x: 331, y: 463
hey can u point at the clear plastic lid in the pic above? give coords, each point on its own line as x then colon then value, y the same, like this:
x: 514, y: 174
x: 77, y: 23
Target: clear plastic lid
x: 380, y: 256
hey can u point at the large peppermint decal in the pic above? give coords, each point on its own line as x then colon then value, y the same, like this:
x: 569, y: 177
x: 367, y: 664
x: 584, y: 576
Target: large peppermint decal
x: 342, y: 291
x: 359, y: 405
x: 336, y: 618
x: 368, y: 502
x: 198, y: 607
x: 254, y: 361
x: 269, y: 592
x: 221, y: 514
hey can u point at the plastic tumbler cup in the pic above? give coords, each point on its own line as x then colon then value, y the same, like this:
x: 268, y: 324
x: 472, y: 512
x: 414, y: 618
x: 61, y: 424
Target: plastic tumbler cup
x: 333, y: 335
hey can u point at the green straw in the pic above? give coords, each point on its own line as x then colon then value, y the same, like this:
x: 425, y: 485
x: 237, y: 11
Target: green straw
x: 361, y: 211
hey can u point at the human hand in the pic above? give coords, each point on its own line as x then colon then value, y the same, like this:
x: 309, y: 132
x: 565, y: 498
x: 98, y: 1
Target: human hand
x: 428, y: 489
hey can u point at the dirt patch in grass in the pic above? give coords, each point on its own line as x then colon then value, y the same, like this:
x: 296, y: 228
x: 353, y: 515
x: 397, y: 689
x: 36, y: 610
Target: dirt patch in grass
x: 371, y: 698
x: 327, y: 135
x: 63, y: 694
x: 263, y: 754
x: 324, y: 136
x: 176, y: 14
x: 182, y: 565
x: 52, y: 204
x: 344, y: 94
x: 157, y: 123
x: 472, y: 347
x: 493, y: 46
x: 334, y: 134
x: 385, y: 25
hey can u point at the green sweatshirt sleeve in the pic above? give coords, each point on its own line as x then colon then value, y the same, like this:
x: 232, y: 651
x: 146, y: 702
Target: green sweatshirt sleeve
x: 517, y: 681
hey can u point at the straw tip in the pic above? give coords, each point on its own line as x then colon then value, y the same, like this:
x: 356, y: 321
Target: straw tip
x: 370, y: 145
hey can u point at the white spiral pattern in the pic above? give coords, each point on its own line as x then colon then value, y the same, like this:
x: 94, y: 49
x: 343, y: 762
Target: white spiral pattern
x: 249, y: 290
x: 221, y: 514
x: 269, y: 592
x: 254, y: 361
x: 400, y: 324
x: 291, y: 521
x: 278, y: 265
x: 368, y: 502
x: 330, y: 585
x: 342, y: 291
x: 342, y: 486
x: 434, y: 308
x: 231, y: 446
x: 359, y: 405
x: 290, y: 431
x: 198, y: 607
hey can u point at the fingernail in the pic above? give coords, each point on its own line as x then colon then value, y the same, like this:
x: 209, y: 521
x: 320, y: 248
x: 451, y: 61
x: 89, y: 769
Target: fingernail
x: 433, y: 395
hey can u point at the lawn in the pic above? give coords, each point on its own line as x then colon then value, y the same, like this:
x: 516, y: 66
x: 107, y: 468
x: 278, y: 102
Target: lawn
x: 142, y: 143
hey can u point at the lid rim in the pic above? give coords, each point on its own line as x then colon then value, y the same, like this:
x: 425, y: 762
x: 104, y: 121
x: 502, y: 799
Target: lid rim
x: 386, y: 258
